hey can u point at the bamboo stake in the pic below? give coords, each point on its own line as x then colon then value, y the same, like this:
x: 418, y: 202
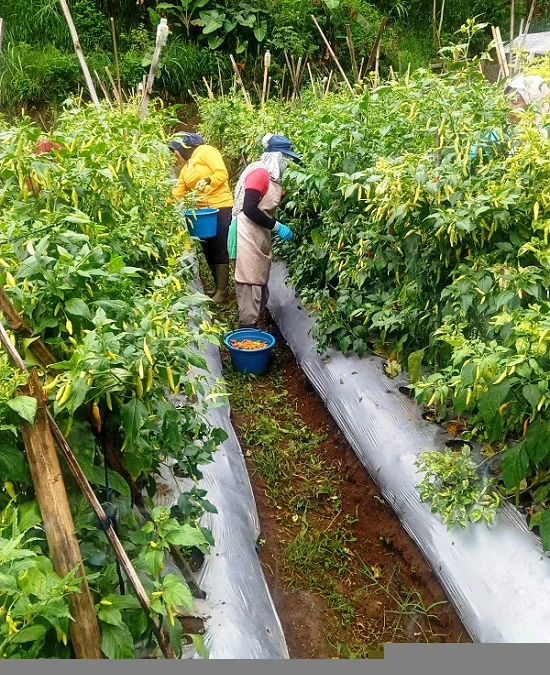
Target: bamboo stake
x: 103, y: 88
x: 56, y: 514
x: 283, y: 81
x: 328, y: 84
x: 512, y: 20
x: 267, y: 63
x: 117, y: 64
x: 313, y: 88
x: 361, y: 68
x: 518, y: 49
x: 240, y: 80
x: 208, y: 89
x: 331, y: 52
x: 290, y: 68
x: 221, y: 79
x: 502, y: 52
x: 377, y: 65
x: 377, y: 41
x: 113, y: 85
x: 296, y: 78
x: 495, y: 40
x: 162, y: 34
x: 440, y: 21
x: 80, y: 53
x: 528, y: 23
x: 268, y: 88
x: 351, y: 49
x: 1, y: 33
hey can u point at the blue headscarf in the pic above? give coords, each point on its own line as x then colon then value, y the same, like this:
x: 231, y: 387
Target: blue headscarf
x: 186, y: 140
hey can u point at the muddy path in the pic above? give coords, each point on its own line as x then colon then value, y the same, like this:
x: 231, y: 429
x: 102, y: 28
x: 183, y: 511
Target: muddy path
x: 344, y: 575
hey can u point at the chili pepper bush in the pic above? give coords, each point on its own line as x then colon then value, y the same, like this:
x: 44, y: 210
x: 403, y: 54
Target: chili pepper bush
x: 410, y: 244
x: 98, y: 265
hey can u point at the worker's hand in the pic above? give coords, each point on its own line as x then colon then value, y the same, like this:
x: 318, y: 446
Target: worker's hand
x: 284, y: 232
x: 203, y: 185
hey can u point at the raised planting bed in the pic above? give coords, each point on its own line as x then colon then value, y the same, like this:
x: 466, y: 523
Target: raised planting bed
x: 497, y: 576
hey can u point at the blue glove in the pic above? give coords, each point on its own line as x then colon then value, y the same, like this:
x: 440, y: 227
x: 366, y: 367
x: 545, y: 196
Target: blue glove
x: 284, y: 232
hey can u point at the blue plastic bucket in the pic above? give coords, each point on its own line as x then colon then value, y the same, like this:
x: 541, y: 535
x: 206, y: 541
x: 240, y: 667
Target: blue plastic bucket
x: 247, y: 361
x: 203, y: 222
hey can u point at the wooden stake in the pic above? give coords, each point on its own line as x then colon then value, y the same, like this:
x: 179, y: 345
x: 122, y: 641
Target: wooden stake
x: 163, y: 640
x: 328, y: 84
x: 1, y: 33
x: 56, y: 514
x: 528, y: 23
x: 502, y: 52
x: 208, y: 89
x: 296, y: 78
x: 499, y: 55
x: 240, y: 80
x: 80, y: 53
x: 267, y: 63
x: 372, y: 57
x: 331, y: 52
x: 59, y: 526
x: 268, y: 88
x: 351, y: 49
x: 518, y: 48
x: 113, y: 85
x: 221, y: 79
x: 103, y: 88
x: 313, y: 88
x: 512, y: 20
x: 361, y: 68
x: 162, y: 34
x: 117, y: 65
x: 377, y: 65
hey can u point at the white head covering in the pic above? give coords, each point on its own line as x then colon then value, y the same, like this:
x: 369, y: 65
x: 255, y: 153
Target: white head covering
x: 531, y: 88
x: 273, y: 162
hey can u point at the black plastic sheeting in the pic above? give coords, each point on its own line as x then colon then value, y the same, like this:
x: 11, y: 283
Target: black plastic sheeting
x: 497, y: 577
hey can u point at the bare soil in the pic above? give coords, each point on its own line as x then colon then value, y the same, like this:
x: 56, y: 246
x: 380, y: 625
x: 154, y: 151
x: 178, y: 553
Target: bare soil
x: 394, y: 601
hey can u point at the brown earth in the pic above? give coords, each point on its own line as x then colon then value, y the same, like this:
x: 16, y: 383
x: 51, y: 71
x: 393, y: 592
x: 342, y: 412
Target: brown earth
x: 394, y: 601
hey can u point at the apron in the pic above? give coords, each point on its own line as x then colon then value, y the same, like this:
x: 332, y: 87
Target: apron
x: 253, y: 261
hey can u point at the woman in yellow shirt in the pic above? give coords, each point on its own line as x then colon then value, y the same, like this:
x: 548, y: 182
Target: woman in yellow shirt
x: 203, y: 170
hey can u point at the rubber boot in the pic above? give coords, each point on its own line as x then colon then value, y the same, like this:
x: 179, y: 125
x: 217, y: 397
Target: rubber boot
x: 212, y: 268
x: 222, y: 282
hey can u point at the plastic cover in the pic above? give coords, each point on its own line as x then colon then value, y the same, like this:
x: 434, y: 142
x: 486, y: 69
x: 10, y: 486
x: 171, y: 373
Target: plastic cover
x: 535, y: 43
x: 497, y: 576
x: 240, y: 618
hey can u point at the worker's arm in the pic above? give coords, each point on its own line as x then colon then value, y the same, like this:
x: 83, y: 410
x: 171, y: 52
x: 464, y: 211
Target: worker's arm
x: 182, y: 186
x: 255, y: 187
x: 251, y: 209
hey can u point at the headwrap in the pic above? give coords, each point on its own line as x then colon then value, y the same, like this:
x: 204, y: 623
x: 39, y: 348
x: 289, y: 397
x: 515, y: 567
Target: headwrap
x: 273, y: 162
x: 185, y: 140
x: 531, y: 88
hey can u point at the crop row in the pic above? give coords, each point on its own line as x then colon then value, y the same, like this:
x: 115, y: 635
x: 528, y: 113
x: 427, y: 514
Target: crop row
x: 420, y: 239
x: 99, y: 267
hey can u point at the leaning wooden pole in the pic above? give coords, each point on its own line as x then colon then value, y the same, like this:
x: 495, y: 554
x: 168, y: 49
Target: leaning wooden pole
x: 162, y: 34
x: 84, y: 484
x: 53, y: 502
x: 80, y: 53
x: 331, y: 52
x: 117, y: 64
